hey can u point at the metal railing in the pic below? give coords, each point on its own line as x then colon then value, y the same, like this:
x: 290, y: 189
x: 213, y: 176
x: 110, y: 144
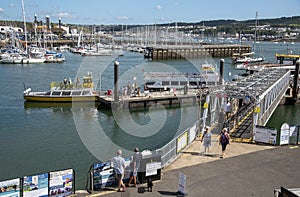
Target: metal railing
x: 171, y: 151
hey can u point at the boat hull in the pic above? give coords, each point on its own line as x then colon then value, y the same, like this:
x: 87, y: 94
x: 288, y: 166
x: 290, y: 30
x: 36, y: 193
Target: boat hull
x: 35, y: 98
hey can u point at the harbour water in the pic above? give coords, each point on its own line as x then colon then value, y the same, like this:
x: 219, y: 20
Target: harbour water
x: 38, y: 138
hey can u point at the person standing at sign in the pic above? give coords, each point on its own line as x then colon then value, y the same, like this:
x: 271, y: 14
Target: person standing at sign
x: 118, y: 163
x: 136, y: 160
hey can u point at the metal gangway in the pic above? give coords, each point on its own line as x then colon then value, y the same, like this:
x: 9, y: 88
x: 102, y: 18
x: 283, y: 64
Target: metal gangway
x: 243, y: 104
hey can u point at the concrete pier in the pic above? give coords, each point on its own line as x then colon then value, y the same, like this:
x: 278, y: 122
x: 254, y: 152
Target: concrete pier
x: 144, y: 101
x: 179, y: 52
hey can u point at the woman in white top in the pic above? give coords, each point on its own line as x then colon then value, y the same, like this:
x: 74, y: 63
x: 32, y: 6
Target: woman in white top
x: 206, y: 139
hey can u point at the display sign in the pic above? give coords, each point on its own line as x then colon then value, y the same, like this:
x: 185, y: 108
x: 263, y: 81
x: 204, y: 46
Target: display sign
x: 181, y: 183
x: 293, y: 131
x: 103, y: 175
x: 284, y: 134
x: 36, y: 185
x: 128, y: 169
x: 61, y: 183
x: 151, y: 168
x: 265, y: 135
x: 10, y: 188
x: 193, y: 133
x: 182, y: 141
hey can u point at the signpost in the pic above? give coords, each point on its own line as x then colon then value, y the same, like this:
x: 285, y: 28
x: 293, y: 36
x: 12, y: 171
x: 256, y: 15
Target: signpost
x: 181, y: 184
x: 284, y: 134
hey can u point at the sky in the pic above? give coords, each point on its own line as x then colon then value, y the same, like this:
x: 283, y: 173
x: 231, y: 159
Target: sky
x: 129, y: 12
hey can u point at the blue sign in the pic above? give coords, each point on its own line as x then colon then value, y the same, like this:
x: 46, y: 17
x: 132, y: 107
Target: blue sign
x: 36, y: 185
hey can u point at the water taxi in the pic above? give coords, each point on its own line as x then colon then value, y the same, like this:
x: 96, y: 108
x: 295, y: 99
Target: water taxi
x: 157, y: 81
x: 65, y: 92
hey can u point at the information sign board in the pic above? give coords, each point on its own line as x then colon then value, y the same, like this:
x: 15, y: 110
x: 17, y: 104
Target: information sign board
x: 61, y: 183
x: 36, y: 185
x: 10, y: 188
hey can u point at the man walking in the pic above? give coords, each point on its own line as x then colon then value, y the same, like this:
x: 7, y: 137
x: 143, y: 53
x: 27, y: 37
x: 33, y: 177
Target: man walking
x: 118, y: 163
x: 136, y: 160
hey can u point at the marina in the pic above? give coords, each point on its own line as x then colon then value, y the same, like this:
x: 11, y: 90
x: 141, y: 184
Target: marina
x: 32, y: 132
x: 99, y: 93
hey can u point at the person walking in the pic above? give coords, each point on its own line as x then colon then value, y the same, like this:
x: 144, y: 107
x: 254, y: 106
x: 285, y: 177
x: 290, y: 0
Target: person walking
x: 206, y: 139
x: 224, y: 139
x: 118, y: 163
x: 136, y: 160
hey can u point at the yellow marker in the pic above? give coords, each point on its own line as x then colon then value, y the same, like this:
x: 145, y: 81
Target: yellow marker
x: 257, y: 110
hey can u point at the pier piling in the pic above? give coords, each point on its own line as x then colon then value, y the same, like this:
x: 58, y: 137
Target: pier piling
x: 295, y: 87
x: 116, y: 74
x: 221, y: 71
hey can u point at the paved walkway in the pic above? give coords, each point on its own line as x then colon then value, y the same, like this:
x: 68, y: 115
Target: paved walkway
x: 247, y: 170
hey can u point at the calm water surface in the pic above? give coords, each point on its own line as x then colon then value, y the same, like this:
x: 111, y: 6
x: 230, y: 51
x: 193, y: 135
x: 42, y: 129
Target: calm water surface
x: 38, y: 138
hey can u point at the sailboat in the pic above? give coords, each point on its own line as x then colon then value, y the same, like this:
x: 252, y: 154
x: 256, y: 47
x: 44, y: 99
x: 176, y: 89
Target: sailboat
x: 25, y: 57
x: 247, y: 58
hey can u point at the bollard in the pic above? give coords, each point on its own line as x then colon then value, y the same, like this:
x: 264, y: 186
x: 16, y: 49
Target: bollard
x: 116, y: 74
x: 221, y: 71
x: 296, y: 75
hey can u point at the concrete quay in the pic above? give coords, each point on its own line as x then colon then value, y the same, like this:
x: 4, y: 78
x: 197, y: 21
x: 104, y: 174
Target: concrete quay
x: 247, y: 170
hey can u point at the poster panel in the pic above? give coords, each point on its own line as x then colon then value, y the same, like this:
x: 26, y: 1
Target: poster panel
x: 151, y: 168
x: 181, y: 183
x: 10, y: 188
x: 193, y: 133
x: 265, y: 135
x: 61, y: 183
x: 182, y: 141
x: 36, y: 185
x: 293, y: 131
x: 284, y: 134
x: 103, y: 175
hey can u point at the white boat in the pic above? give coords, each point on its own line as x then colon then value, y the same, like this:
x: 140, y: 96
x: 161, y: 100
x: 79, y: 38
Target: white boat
x: 31, y: 60
x: 250, y: 66
x: 54, y: 57
x: 94, y: 52
x: 13, y: 58
x: 29, y: 57
x: 156, y: 81
x: 247, y: 59
x: 65, y: 92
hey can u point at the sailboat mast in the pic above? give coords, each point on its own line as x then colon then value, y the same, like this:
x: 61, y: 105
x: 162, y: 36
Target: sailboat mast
x: 256, y: 15
x: 25, y: 30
